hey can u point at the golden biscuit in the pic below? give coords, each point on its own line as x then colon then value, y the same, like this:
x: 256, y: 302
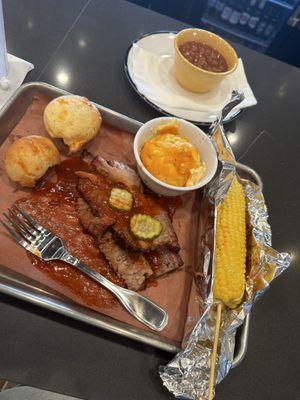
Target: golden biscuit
x: 72, y: 118
x: 29, y: 157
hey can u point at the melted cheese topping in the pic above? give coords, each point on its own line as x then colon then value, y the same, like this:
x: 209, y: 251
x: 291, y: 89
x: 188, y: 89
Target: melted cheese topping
x: 171, y: 158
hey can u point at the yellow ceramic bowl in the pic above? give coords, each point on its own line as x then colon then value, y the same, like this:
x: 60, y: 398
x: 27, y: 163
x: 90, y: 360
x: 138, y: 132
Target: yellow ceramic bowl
x: 196, y: 79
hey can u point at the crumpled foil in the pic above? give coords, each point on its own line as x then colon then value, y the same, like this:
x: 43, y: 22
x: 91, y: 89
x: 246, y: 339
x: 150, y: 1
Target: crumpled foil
x: 187, y: 375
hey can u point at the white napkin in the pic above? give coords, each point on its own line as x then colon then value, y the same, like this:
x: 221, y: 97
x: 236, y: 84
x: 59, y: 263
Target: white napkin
x: 153, y: 76
x: 17, y: 70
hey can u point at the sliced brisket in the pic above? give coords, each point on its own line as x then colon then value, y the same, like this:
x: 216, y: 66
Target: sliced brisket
x: 93, y: 224
x: 117, y: 172
x: 91, y: 188
x: 163, y: 261
x: 129, y: 265
x: 132, y: 259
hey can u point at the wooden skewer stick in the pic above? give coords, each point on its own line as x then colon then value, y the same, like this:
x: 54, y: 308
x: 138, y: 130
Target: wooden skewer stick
x: 214, y: 352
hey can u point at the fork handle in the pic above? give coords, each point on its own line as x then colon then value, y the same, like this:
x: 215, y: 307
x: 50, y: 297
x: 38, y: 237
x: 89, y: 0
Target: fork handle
x: 142, y: 308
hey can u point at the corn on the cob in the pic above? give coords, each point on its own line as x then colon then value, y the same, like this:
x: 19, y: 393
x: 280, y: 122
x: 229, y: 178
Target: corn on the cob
x: 230, y: 262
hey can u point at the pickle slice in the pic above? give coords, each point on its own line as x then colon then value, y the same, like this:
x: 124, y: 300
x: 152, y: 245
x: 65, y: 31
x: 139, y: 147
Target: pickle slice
x: 145, y: 227
x: 120, y: 199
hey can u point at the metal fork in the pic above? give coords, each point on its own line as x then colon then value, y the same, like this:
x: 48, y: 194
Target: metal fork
x: 43, y: 243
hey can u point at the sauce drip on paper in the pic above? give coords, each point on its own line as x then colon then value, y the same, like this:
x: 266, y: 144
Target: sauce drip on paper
x: 53, y: 204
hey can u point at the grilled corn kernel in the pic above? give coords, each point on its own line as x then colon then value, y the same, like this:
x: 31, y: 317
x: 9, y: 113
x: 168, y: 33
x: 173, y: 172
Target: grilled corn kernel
x: 230, y: 262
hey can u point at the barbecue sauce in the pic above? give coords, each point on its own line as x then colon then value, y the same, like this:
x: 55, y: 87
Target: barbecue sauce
x: 53, y: 204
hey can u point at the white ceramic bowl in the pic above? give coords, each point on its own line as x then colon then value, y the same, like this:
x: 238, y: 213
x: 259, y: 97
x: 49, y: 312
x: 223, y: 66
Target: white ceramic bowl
x: 197, y: 137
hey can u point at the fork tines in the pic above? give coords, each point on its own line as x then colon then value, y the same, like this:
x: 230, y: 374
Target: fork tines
x: 21, y: 227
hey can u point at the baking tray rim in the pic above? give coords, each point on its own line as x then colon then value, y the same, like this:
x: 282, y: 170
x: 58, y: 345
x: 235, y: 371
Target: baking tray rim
x: 11, y: 285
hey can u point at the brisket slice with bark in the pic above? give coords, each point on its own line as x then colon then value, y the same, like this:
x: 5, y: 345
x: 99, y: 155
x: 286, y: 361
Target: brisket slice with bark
x: 94, y: 190
x: 96, y: 225
x: 118, y: 172
x: 130, y: 265
x: 133, y: 266
x: 163, y: 261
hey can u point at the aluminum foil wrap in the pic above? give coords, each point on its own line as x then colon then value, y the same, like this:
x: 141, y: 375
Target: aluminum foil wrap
x: 187, y: 375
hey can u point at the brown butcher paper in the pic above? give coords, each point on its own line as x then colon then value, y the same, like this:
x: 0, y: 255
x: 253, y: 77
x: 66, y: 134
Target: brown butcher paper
x: 172, y: 291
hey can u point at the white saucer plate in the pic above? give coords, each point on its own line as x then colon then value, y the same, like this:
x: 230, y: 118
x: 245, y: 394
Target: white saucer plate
x: 149, y: 69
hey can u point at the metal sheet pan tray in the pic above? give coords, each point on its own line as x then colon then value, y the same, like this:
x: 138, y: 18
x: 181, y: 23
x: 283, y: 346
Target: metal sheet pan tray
x: 23, y: 288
